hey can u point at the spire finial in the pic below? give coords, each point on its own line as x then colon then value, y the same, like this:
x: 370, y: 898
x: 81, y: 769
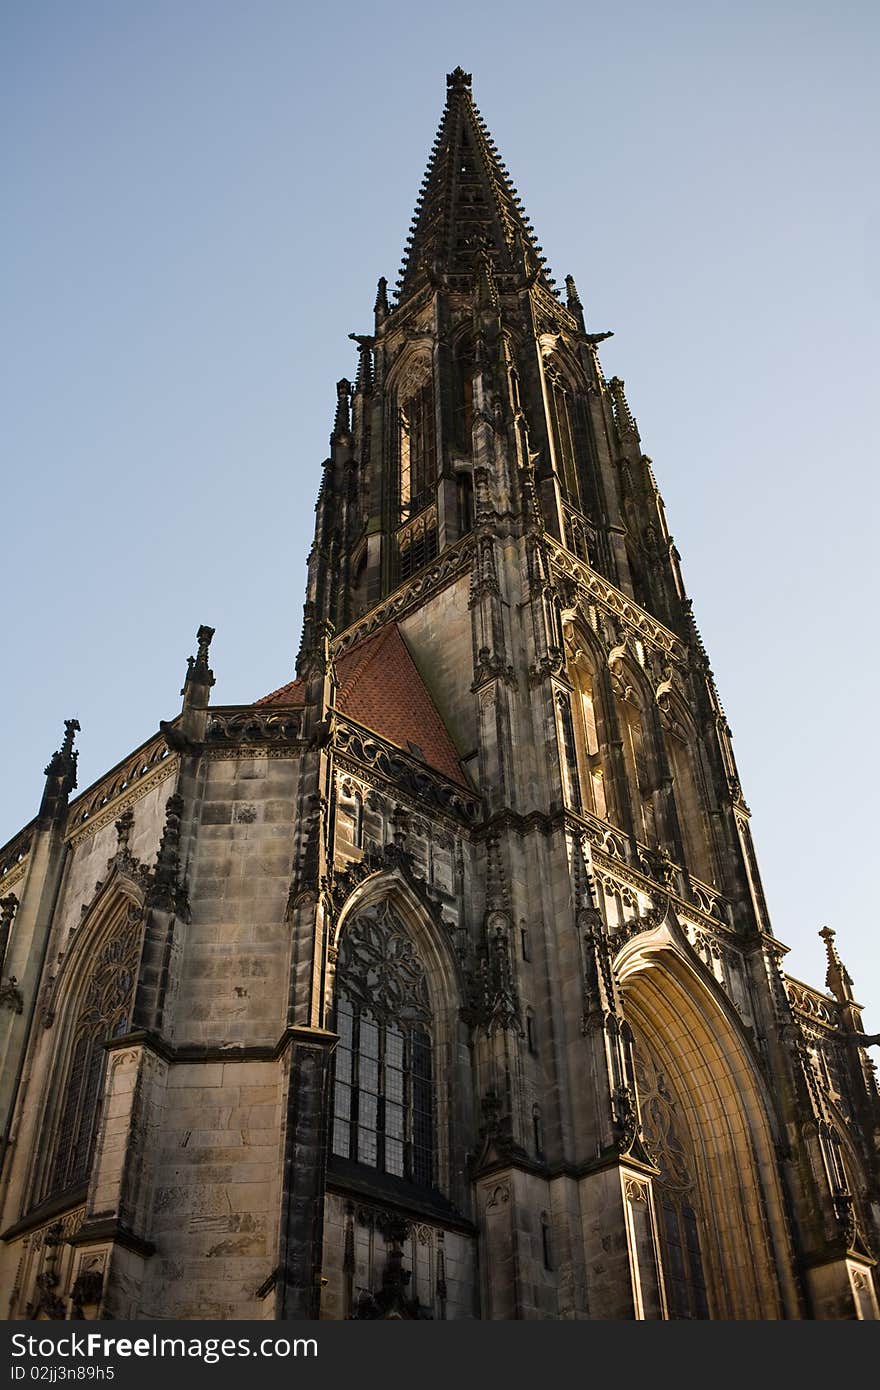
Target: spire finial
x: 60, y: 774
x: 199, y: 676
x: 64, y: 761
x: 203, y: 638
x: 459, y: 80
x: 837, y: 977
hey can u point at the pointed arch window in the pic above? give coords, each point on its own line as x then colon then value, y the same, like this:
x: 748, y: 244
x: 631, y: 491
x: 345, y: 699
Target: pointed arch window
x: 682, y: 754
x: 417, y: 449
x: 384, y: 1093
x: 104, y: 1012
x: 595, y: 776
x: 569, y: 750
x: 636, y: 755
x: 563, y: 431
x: 464, y: 490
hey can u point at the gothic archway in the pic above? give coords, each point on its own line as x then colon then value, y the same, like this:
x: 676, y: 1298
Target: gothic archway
x: 723, y: 1229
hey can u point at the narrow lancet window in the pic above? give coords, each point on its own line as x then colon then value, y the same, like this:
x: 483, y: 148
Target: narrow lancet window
x: 417, y: 451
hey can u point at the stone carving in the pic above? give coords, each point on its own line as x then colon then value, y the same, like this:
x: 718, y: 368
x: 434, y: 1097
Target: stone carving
x: 380, y: 967
x: 254, y: 724
x: 598, y: 589
x: 406, y: 773
x: 7, y: 912
x: 11, y: 996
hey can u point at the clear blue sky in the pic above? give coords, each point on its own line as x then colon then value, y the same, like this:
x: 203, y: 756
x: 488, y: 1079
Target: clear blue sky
x: 199, y: 200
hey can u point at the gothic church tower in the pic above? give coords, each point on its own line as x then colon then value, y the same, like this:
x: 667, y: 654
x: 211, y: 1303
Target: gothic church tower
x: 440, y: 982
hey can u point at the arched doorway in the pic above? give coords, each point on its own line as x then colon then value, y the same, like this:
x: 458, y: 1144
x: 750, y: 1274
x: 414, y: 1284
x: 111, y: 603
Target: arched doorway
x: 722, y: 1232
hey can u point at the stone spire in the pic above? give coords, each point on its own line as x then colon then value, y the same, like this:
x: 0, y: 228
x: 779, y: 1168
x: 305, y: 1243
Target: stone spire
x: 466, y: 205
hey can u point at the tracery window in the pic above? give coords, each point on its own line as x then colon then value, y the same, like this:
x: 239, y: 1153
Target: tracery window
x: 682, y: 756
x: 675, y: 1193
x: 417, y: 450
x: 564, y: 434
x: 104, y: 1013
x: 635, y: 752
x: 384, y: 1104
x: 569, y: 750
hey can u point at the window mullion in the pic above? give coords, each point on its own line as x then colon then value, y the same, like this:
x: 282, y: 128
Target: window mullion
x: 380, y: 1103
x: 355, y: 1086
x: 408, y: 1108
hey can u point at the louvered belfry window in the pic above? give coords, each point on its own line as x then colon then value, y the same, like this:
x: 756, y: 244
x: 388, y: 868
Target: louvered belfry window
x: 417, y: 451
x: 104, y: 1013
x: 383, y: 1114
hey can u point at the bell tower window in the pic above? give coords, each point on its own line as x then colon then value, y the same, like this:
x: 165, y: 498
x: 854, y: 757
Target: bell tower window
x: 564, y: 436
x: 417, y: 450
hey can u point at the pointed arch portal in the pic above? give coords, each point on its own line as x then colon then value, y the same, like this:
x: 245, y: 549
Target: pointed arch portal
x: 721, y: 1227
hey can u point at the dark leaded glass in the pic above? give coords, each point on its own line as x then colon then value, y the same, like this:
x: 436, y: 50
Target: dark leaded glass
x: 104, y: 1012
x: 384, y: 1089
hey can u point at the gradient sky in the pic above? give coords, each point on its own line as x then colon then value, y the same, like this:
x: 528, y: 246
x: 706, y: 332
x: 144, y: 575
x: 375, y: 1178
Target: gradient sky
x: 199, y: 200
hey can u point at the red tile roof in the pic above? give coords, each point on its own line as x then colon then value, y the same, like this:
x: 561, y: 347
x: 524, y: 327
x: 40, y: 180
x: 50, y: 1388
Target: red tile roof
x: 380, y: 687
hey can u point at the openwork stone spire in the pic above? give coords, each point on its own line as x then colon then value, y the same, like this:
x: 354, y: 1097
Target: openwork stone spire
x: 467, y: 205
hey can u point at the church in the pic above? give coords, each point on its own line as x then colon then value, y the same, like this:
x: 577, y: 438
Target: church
x: 439, y: 982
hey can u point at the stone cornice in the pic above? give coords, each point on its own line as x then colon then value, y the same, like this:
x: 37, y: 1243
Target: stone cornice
x: 234, y: 726
x: 124, y: 784
x: 812, y: 1005
x: 67, y: 1208
x: 194, y: 1054
x: 369, y: 755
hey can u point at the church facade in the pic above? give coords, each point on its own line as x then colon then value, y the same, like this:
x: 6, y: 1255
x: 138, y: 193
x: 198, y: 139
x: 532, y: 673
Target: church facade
x: 438, y: 983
